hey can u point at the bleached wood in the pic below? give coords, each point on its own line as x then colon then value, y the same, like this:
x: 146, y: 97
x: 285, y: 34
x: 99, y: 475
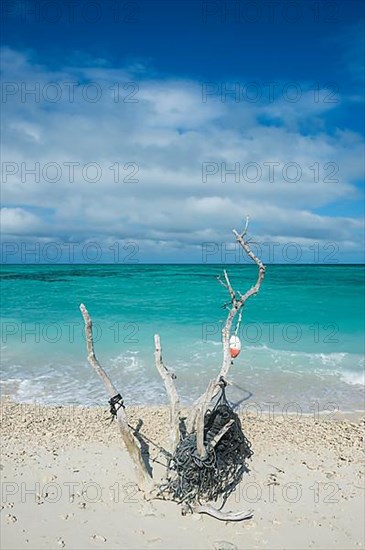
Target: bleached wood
x: 168, y: 380
x: 236, y: 306
x: 229, y: 286
x: 200, y: 421
x: 200, y: 434
x: 203, y: 401
x: 132, y: 445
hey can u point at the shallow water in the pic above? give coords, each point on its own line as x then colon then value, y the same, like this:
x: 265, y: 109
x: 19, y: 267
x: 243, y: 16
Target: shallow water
x: 302, y: 336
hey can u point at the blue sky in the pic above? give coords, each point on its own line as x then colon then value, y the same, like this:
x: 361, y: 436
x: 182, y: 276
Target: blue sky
x: 133, y: 94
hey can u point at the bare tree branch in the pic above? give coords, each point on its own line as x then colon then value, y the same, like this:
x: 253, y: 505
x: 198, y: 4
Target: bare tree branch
x: 131, y: 443
x: 238, y: 304
x: 168, y: 380
x: 229, y: 286
x: 91, y: 357
x: 236, y: 307
x: 254, y: 289
x: 200, y: 447
x: 201, y: 403
x: 200, y: 421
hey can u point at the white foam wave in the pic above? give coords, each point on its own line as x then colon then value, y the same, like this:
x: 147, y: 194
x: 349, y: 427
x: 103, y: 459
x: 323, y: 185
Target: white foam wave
x: 208, y: 342
x: 354, y: 378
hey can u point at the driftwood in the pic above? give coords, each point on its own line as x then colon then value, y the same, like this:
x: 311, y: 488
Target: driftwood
x: 132, y: 445
x: 200, y: 424
x: 195, y: 421
x: 168, y: 379
x: 223, y: 516
x: 237, y: 304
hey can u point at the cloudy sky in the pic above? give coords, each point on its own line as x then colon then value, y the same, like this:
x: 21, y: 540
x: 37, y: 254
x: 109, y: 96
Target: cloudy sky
x: 144, y: 130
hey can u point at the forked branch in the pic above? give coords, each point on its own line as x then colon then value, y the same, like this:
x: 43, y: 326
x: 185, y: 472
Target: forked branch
x: 236, y: 306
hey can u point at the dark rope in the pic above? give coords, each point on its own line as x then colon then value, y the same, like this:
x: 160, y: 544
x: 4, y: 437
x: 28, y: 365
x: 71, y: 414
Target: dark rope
x: 192, y: 479
x: 114, y: 402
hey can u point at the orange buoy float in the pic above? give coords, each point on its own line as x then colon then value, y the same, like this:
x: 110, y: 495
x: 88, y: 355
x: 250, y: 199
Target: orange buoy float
x: 234, y: 346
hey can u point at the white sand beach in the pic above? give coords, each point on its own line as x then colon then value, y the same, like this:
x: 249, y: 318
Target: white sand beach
x: 67, y: 482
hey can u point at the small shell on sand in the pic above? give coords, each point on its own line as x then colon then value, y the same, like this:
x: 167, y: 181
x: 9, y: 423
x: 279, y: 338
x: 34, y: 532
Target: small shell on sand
x: 98, y: 538
x: 11, y: 519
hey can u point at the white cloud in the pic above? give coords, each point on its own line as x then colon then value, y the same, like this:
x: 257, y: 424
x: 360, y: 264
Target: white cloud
x: 167, y: 134
x: 17, y: 221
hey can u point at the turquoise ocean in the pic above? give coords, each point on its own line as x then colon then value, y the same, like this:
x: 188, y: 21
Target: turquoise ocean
x: 302, y: 335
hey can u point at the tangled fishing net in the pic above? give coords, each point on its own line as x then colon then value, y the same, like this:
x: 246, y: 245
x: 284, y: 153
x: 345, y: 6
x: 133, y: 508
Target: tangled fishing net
x: 192, y: 479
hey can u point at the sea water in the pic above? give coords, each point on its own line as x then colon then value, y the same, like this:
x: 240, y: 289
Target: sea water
x: 302, y: 335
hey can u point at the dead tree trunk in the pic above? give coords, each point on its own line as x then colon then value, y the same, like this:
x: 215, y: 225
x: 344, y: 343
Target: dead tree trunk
x: 196, y: 421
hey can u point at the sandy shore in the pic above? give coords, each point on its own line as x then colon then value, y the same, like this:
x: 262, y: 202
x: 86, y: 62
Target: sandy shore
x: 68, y: 483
